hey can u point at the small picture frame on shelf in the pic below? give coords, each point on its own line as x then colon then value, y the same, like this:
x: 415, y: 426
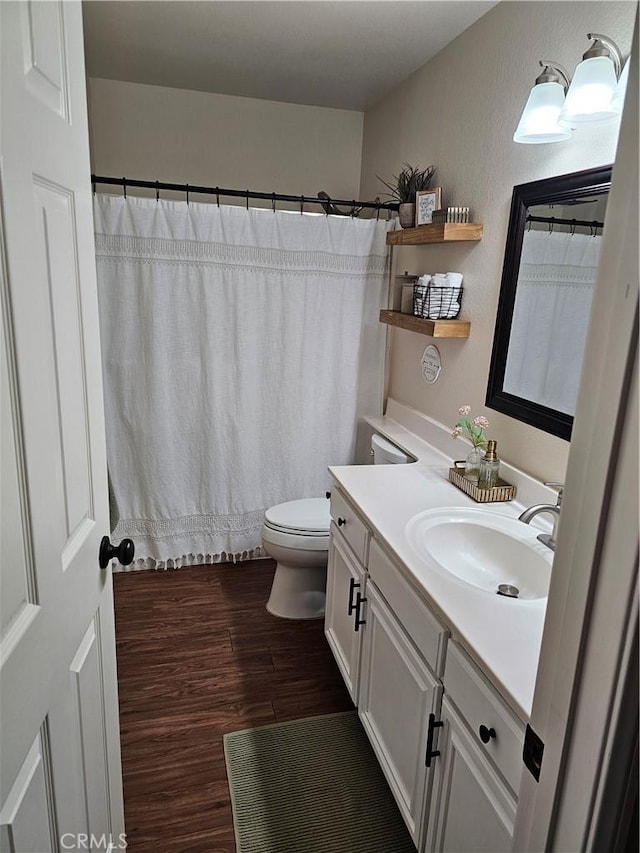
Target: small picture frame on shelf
x: 426, y: 202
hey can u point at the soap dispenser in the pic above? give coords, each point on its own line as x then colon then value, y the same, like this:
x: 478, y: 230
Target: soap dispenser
x: 489, y: 467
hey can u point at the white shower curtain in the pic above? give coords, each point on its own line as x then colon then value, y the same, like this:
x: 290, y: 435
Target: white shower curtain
x: 551, y: 314
x: 239, y: 349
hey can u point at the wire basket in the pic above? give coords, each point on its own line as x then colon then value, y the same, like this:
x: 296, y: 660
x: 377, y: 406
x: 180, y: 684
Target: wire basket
x: 436, y: 303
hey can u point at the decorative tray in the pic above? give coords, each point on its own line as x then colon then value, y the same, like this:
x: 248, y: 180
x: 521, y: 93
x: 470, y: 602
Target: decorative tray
x: 502, y: 491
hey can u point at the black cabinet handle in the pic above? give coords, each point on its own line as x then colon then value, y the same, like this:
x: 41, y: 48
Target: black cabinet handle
x: 353, y: 585
x: 486, y: 734
x: 431, y: 752
x: 124, y: 552
x: 341, y: 521
x: 359, y: 602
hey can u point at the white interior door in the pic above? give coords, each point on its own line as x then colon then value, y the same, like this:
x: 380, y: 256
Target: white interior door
x: 60, y: 778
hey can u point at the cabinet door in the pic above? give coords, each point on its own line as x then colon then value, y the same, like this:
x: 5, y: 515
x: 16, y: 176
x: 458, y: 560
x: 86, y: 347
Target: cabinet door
x: 345, y: 580
x: 472, y: 811
x: 397, y: 693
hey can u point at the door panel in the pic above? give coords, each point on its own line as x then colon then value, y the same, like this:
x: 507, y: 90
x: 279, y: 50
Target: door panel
x: 397, y: 693
x: 86, y: 671
x: 55, y: 213
x: 339, y: 624
x: 18, y: 588
x: 472, y: 810
x: 45, y: 68
x: 27, y: 818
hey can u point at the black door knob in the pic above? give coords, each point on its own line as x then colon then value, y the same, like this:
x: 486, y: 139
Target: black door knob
x: 486, y: 734
x: 123, y: 553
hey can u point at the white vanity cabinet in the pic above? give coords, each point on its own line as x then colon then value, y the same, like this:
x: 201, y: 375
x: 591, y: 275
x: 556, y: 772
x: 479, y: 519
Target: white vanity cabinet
x: 453, y: 763
x: 390, y: 650
x: 477, y: 774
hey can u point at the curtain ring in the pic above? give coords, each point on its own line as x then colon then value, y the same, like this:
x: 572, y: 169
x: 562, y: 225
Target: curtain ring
x: 247, y: 192
x: 551, y: 224
x: 124, y: 187
x: 273, y: 202
x: 573, y: 227
x: 378, y: 211
x: 218, y: 196
x: 301, y: 205
x: 157, y: 192
x: 187, y: 192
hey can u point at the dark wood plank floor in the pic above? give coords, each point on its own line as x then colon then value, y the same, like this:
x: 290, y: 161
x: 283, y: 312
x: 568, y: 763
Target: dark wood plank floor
x: 198, y: 656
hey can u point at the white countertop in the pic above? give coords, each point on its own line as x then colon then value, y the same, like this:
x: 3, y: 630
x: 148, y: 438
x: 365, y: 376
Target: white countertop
x: 503, y: 635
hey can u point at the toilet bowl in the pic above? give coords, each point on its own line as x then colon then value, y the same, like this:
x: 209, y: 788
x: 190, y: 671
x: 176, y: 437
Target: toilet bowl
x: 296, y: 535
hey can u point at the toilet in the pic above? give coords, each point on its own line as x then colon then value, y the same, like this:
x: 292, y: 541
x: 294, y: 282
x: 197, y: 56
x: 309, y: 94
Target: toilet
x: 296, y: 535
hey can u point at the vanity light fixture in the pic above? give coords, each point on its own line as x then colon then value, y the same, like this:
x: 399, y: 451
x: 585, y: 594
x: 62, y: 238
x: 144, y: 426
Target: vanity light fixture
x: 539, y: 120
x: 591, y: 93
x: 618, y: 99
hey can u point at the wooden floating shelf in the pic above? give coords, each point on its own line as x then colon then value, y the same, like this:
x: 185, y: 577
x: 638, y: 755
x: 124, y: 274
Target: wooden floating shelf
x: 433, y: 328
x: 447, y: 232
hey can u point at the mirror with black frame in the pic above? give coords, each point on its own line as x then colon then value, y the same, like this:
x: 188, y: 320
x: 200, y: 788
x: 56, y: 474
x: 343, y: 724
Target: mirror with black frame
x: 550, y: 266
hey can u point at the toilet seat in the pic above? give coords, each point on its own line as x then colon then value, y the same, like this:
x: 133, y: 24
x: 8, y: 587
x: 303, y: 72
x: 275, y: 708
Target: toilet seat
x: 296, y: 540
x: 308, y: 517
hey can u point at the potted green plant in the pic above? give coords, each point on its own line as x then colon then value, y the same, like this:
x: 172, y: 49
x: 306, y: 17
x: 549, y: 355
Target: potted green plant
x: 404, y: 187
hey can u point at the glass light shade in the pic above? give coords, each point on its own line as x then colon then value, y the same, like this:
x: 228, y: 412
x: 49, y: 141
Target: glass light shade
x: 617, y: 102
x: 591, y: 92
x: 539, y: 120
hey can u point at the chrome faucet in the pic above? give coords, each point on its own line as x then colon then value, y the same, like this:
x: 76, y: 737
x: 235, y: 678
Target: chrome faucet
x: 548, y: 539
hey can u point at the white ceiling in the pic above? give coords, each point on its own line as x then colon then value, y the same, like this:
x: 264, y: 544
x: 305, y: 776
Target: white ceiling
x: 345, y: 53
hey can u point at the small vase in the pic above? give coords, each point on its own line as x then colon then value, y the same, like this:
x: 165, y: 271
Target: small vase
x: 407, y: 214
x: 472, y: 464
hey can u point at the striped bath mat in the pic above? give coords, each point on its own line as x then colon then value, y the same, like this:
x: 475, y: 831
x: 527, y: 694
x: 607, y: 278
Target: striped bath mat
x: 311, y: 786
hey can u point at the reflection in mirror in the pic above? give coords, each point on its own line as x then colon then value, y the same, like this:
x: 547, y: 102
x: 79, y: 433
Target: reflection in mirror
x: 551, y: 262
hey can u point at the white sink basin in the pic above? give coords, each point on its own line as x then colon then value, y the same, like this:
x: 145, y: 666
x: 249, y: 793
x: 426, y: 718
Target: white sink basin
x: 484, y: 549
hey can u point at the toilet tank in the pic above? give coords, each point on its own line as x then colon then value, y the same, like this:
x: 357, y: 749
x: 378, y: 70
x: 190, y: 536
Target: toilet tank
x: 386, y: 453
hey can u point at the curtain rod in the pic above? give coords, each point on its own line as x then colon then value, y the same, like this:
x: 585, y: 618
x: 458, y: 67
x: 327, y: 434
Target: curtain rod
x: 557, y: 221
x: 326, y: 201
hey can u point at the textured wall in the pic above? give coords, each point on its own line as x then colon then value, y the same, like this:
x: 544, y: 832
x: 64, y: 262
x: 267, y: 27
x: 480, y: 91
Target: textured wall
x: 175, y: 135
x: 459, y: 112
